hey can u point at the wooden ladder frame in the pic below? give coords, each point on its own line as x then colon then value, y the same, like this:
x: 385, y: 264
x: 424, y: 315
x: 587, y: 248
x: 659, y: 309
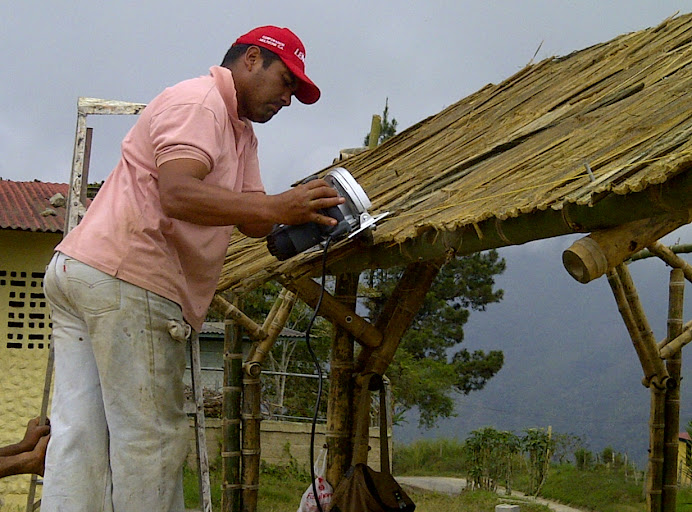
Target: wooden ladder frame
x: 75, y: 209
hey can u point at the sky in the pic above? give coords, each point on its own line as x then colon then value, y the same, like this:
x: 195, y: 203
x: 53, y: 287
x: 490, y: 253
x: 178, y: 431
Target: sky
x: 420, y: 56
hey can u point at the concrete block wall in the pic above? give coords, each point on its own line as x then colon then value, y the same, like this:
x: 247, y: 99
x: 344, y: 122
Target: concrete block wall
x: 281, y: 440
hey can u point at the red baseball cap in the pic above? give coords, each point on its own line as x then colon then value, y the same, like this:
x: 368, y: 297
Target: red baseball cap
x: 291, y: 51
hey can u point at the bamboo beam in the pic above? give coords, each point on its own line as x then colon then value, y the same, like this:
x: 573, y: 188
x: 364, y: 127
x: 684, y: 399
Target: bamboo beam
x: 340, y: 401
x: 660, y: 376
x: 673, y: 195
x: 262, y: 349
x: 675, y: 249
x: 251, y: 447
x: 397, y: 315
x: 232, y: 395
x: 590, y: 257
x: 630, y: 324
x: 225, y: 308
x: 336, y: 312
x: 671, y: 259
x: 274, y: 309
x: 676, y: 343
x: 672, y: 404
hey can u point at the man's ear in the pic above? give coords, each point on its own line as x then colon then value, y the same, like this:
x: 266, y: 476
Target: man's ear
x: 253, y: 57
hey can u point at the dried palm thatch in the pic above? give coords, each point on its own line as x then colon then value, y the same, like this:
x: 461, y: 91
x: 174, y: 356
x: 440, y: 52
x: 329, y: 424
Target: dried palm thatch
x: 570, y: 144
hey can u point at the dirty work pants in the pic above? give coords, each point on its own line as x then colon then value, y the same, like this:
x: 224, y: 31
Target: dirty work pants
x: 118, y: 430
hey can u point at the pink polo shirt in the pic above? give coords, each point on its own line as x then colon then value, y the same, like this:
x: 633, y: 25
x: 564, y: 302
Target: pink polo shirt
x: 125, y: 232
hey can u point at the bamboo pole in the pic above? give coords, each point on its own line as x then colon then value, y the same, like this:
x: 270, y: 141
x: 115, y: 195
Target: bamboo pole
x: 672, y: 404
x: 262, y: 349
x: 375, y: 130
x: 672, y: 259
x: 397, y: 315
x: 337, y: 313
x: 221, y: 305
x: 671, y: 348
x: 232, y: 396
x: 590, y: 257
x: 275, y: 308
x: 630, y: 324
x: 340, y: 401
x: 656, y: 431
x: 646, y: 334
x: 251, y: 450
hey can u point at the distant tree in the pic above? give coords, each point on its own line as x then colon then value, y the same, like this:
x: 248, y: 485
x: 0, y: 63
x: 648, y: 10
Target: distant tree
x: 429, y: 367
x: 387, y: 127
x: 583, y: 459
x: 565, y: 445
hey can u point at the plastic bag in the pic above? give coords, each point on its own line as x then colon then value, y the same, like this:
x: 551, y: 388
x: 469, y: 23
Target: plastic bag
x: 324, y: 489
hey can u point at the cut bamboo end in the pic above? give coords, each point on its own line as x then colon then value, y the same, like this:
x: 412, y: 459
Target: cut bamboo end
x: 585, y: 260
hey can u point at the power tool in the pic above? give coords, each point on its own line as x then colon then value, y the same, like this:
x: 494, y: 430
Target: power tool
x: 352, y: 219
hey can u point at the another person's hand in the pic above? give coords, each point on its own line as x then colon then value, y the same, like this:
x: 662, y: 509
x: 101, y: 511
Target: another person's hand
x: 36, y: 458
x: 34, y: 434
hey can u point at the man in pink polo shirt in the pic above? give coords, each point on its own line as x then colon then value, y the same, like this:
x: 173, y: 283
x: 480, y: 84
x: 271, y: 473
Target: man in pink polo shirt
x: 131, y: 280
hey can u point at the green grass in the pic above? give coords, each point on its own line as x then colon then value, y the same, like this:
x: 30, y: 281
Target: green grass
x: 281, y: 490
x: 600, y: 488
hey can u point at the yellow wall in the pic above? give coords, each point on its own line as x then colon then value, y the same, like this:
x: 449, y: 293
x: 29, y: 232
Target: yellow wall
x: 25, y: 331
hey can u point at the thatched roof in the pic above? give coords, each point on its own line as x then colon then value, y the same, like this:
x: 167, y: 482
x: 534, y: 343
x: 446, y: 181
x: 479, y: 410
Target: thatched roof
x: 570, y: 144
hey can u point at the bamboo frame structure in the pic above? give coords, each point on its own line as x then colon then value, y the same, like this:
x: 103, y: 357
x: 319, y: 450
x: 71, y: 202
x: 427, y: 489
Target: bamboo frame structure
x: 663, y: 380
x: 232, y: 399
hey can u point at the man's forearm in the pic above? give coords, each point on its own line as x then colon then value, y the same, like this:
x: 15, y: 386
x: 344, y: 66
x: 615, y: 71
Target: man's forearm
x: 12, y: 449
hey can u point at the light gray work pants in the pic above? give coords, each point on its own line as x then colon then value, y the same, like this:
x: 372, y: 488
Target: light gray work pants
x: 118, y: 430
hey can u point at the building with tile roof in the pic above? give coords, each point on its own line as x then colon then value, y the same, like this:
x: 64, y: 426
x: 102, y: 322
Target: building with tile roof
x: 31, y: 225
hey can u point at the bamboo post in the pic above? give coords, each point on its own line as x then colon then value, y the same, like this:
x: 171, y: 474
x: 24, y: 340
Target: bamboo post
x: 397, y: 315
x: 375, y: 130
x: 646, y: 334
x: 251, y: 450
x: 656, y: 441
x: 340, y: 400
x: 672, y: 404
x: 591, y: 257
x: 232, y: 396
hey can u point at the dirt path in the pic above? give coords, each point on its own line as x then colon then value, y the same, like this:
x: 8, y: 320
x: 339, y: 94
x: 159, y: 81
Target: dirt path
x: 449, y: 485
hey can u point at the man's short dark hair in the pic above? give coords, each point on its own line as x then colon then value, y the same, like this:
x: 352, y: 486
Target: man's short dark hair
x: 238, y: 50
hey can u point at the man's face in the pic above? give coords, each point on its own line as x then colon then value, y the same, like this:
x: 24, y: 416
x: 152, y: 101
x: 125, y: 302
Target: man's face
x: 269, y: 90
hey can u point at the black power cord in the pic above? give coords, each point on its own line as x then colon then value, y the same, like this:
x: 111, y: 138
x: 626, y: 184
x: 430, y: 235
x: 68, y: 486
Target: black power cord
x: 319, y: 373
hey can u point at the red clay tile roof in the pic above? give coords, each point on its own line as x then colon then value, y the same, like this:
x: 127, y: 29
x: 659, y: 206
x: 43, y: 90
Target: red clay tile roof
x: 25, y: 205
